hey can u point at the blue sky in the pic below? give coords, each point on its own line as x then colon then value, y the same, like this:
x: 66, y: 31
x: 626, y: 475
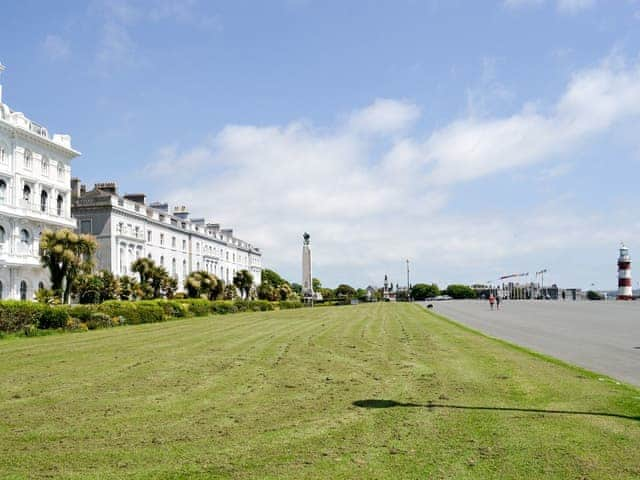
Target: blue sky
x: 475, y: 138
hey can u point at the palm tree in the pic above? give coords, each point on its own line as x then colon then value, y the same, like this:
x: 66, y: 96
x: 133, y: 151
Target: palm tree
x: 202, y: 283
x: 143, y: 267
x: 243, y: 281
x: 66, y: 254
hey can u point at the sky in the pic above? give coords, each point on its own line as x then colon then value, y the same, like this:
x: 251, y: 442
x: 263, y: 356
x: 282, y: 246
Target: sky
x: 475, y: 139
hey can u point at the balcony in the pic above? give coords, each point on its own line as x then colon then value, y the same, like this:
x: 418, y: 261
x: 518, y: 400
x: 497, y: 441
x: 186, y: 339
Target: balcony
x: 130, y: 233
x: 44, y: 209
x: 23, y: 254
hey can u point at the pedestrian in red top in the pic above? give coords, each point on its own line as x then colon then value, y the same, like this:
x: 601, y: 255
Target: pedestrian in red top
x: 492, y: 300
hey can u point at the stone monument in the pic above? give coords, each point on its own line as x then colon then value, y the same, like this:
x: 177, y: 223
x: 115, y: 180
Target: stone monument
x: 307, y: 275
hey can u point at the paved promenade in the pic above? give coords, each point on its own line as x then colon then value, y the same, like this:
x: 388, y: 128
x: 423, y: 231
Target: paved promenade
x: 600, y: 336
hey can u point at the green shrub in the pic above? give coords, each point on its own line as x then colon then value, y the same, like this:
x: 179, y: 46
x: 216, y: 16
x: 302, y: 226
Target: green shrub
x: 288, y: 305
x: 253, y: 305
x: 30, y: 331
x: 54, y: 317
x: 223, y: 307
x: 82, y: 312
x: 15, y: 315
x: 99, y: 320
x: 150, y: 314
x: 132, y: 312
x: 198, y: 307
x: 173, y: 308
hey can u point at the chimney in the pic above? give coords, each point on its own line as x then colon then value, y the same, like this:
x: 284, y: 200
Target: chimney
x: 162, y: 206
x: 108, y: 187
x: 181, y: 212
x: 137, y: 197
x: 75, y: 188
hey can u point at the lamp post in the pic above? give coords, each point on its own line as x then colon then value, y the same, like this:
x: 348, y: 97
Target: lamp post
x: 408, y: 283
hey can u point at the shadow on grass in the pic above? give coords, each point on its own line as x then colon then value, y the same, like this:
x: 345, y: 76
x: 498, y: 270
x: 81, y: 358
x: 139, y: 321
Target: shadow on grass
x: 380, y: 403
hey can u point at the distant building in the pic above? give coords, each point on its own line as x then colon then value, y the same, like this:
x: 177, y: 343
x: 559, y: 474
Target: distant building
x: 126, y: 228
x: 34, y: 196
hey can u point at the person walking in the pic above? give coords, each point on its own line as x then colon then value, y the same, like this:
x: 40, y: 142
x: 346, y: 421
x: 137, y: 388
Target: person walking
x: 492, y: 300
x: 498, y: 302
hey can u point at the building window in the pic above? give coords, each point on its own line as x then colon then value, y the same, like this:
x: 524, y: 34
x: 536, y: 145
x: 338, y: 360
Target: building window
x: 24, y: 237
x: 45, y: 167
x: 1, y: 292
x: 59, y: 205
x: 149, y: 236
x: 3, y: 191
x: 137, y: 230
x: 162, y: 261
x: 3, y: 155
x: 184, y: 245
x: 122, y: 261
x: 173, y: 242
x: 26, y: 193
x: 120, y: 227
x: 23, y: 290
x: 85, y: 226
x: 173, y: 267
x: 162, y: 239
x: 28, y: 159
x: 198, y: 266
x: 40, y: 286
x: 44, y: 198
x: 3, y: 234
x: 184, y: 268
x: 60, y: 171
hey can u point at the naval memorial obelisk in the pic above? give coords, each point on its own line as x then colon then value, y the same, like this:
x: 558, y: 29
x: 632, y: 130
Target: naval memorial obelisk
x: 307, y: 275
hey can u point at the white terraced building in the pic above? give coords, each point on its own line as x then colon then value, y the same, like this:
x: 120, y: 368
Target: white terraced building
x: 34, y: 196
x: 126, y: 228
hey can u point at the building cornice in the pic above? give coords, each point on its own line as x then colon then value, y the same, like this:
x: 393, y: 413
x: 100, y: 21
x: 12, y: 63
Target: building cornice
x: 34, y: 137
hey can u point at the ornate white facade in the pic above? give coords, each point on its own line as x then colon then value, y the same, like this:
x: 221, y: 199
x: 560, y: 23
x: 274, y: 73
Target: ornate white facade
x: 34, y: 196
x: 126, y: 228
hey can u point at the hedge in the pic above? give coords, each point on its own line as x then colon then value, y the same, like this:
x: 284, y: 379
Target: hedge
x: 16, y: 315
x: 287, y: 304
x: 134, y: 312
x: 20, y: 316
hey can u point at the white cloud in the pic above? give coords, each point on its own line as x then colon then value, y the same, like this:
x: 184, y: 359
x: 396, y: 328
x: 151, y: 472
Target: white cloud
x: 117, y: 48
x: 573, y: 6
x: 594, y: 100
x: 55, y: 47
x: 564, y: 6
x: 371, y: 200
x: 385, y: 116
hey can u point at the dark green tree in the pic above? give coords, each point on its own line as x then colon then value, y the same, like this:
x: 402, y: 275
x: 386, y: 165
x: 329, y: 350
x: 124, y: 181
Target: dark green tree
x: 460, y: 291
x: 422, y: 291
x: 345, y: 291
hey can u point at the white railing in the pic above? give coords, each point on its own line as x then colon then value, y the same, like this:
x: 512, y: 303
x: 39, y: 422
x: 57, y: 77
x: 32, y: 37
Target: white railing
x: 43, y: 209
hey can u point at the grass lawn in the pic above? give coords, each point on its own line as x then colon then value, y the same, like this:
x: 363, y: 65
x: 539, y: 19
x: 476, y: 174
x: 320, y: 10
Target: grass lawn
x: 372, y: 391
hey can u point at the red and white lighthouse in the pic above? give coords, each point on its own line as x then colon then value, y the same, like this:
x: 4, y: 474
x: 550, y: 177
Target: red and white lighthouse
x: 625, y: 290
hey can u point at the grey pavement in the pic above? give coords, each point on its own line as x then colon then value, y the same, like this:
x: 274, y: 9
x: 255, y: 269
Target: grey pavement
x: 600, y: 336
